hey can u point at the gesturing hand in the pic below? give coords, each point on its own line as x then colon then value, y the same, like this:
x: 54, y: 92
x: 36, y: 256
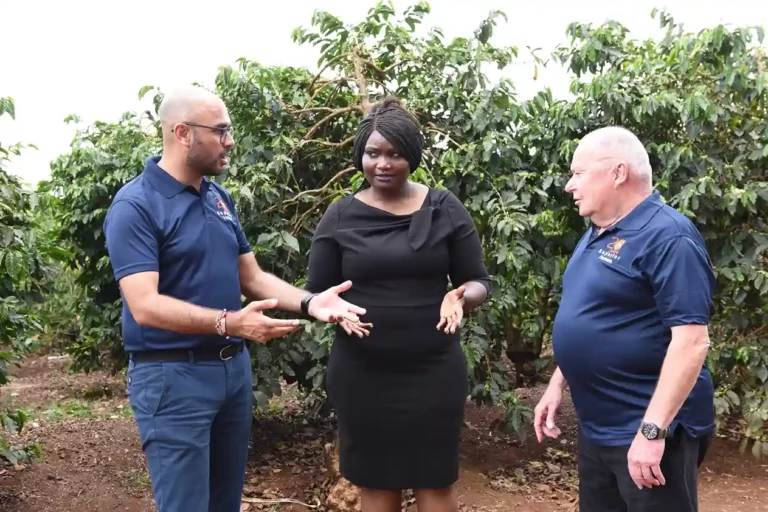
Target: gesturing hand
x: 329, y: 307
x: 254, y: 325
x: 359, y: 329
x: 452, y: 310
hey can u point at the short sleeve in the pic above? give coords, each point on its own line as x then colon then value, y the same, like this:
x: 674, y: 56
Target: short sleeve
x: 131, y: 240
x: 682, y: 280
x: 324, y: 269
x: 466, y: 253
x: 242, y: 242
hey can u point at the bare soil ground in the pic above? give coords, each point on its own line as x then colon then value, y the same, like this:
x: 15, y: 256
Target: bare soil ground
x: 92, y: 461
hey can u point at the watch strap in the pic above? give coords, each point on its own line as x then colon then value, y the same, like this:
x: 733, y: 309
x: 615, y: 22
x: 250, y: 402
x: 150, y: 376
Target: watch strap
x: 653, y: 432
x: 305, y: 306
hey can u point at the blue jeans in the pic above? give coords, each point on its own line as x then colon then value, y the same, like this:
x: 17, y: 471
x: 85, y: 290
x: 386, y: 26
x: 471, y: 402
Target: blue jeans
x: 194, y: 421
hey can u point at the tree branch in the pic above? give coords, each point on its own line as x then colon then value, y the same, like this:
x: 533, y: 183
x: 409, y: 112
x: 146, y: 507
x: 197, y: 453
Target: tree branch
x: 393, y: 66
x: 314, y: 109
x: 327, y: 65
x: 260, y: 501
x: 334, y: 113
x: 382, y: 76
x: 329, y: 144
x: 295, y: 199
x: 326, y: 83
x: 432, y: 127
x: 362, y: 84
x: 300, y: 222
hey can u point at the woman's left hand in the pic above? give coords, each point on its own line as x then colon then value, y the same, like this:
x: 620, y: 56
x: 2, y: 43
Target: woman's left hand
x: 452, y: 310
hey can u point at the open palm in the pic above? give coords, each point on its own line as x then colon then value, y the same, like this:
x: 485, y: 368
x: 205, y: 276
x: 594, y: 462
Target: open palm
x: 452, y: 310
x: 329, y: 307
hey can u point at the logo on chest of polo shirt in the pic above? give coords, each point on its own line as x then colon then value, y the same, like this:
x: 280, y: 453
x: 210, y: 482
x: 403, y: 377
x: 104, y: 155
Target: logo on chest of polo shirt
x: 222, y: 210
x: 611, y: 251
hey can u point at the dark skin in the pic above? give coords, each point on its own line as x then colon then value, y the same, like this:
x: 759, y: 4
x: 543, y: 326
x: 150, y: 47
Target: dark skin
x: 387, y: 172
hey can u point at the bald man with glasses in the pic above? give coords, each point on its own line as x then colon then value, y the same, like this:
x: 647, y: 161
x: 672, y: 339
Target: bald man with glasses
x: 181, y: 258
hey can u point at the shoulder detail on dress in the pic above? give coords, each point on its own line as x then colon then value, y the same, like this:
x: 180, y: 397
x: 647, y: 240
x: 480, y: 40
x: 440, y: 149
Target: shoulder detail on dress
x: 438, y: 196
x: 453, y: 206
x: 336, y: 208
x: 341, y: 204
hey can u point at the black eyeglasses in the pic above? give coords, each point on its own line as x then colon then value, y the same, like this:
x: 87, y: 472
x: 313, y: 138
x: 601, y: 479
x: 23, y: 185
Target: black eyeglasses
x: 223, y: 130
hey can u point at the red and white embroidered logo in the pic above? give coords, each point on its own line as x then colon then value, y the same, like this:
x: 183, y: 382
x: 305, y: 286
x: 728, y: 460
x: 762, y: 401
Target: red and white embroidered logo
x: 222, y: 210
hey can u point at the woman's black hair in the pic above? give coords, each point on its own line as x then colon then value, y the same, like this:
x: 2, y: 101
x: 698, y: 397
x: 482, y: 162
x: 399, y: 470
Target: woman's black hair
x: 397, y: 125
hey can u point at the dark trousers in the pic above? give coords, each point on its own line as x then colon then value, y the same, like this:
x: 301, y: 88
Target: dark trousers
x: 606, y: 486
x: 194, y: 421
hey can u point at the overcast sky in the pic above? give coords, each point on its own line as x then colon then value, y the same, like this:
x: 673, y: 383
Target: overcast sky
x: 61, y: 57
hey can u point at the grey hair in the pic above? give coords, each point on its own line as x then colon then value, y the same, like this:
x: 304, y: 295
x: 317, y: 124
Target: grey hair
x: 622, y: 143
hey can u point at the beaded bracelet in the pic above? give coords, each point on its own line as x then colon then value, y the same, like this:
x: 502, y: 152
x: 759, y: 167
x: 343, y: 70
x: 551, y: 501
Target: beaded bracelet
x: 221, y: 323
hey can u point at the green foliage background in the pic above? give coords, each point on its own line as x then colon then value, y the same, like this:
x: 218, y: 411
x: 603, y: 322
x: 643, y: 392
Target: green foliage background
x: 28, y: 253
x: 697, y: 100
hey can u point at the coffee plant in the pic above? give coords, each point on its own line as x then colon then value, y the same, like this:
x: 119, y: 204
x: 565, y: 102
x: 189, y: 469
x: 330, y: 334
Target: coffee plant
x: 697, y: 100
x: 26, y: 257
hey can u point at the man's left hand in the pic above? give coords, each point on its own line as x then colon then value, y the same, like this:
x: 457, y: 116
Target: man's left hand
x: 329, y: 307
x: 644, y: 461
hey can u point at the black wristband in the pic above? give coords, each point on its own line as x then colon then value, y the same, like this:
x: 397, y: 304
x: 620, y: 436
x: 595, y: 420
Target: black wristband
x: 305, y: 306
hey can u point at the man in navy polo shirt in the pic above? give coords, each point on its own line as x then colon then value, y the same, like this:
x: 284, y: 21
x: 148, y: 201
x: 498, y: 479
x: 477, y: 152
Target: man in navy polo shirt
x: 630, y: 336
x: 182, y: 261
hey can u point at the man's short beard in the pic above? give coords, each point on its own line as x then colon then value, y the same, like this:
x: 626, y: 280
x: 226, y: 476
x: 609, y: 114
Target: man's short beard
x: 200, y: 162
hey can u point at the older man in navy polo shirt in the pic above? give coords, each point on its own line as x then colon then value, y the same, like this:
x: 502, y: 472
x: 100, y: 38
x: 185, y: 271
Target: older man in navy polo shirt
x: 182, y: 261
x: 630, y: 336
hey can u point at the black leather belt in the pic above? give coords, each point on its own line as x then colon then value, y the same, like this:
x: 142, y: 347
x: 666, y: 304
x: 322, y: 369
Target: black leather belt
x: 177, y: 356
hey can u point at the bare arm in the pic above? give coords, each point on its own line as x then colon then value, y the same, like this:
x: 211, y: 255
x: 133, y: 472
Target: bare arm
x: 558, y: 380
x: 256, y: 284
x: 151, y: 309
x: 327, y: 306
x: 685, y: 356
x: 545, y: 413
x: 474, y: 295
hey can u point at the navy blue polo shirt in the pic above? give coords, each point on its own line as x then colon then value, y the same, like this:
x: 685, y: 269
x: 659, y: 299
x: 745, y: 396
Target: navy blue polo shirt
x: 192, y: 239
x: 623, y: 290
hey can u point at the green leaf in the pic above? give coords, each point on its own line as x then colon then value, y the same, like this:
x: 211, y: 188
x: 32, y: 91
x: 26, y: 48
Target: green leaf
x: 7, y: 106
x: 291, y: 241
x: 245, y: 192
x: 262, y: 401
x: 144, y: 90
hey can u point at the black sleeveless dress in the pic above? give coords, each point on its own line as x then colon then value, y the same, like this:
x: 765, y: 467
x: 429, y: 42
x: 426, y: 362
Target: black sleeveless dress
x: 399, y: 393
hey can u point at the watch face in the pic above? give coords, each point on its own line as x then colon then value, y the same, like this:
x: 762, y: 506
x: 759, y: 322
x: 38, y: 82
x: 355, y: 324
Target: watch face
x: 650, y: 431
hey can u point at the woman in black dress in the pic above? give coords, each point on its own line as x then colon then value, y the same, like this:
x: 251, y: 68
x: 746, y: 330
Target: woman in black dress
x: 398, y: 379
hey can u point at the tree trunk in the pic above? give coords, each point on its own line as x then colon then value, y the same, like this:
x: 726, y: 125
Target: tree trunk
x: 342, y: 496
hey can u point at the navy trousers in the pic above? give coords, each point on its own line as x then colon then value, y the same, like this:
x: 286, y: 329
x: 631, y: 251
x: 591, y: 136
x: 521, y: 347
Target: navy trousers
x: 194, y: 421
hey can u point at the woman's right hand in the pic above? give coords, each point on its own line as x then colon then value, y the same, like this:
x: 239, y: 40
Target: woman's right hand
x: 359, y: 329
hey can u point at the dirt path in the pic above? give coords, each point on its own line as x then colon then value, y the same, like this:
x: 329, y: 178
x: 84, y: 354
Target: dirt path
x: 92, y: 460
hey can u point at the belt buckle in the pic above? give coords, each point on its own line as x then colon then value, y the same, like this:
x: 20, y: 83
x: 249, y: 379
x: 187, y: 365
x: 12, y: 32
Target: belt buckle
x: 221, y: 353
